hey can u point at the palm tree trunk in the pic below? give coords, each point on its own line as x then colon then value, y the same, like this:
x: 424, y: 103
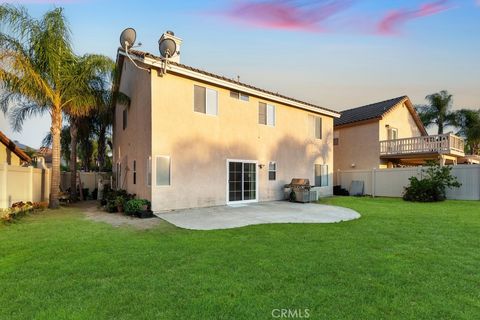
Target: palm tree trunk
x: 56, y: 130
x: 73, y: 158
x: 101, y: 148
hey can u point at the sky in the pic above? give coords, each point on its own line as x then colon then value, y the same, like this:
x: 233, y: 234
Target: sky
x: 337, y: 54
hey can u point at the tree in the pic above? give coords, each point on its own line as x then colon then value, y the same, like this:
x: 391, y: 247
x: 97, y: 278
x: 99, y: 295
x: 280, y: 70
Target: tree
x: 107, y: 97
x: 39, y: 74
x: 438, y: 111
x: 468, y: 123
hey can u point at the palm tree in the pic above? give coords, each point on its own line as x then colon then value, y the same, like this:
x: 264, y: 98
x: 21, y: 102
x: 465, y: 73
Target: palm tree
x: 438, y: 111
x: 80, y: 117
x: 468, y: 121
x: 107, y: 98
x: 39, y: 74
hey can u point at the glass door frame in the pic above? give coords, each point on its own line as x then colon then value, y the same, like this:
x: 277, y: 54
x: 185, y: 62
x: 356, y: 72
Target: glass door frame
x: 228, y: 178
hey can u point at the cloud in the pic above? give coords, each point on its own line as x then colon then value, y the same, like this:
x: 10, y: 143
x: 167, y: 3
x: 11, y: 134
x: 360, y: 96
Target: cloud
x: 392, y: 22
x: 286, y: 14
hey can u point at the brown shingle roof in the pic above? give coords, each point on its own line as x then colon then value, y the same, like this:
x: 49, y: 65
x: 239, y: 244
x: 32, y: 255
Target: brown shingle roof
x: 143, y: 54
x: 14, y: 148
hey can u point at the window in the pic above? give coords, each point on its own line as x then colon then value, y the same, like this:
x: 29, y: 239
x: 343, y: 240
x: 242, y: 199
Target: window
x: 134, y: 172
x: 392, y: 133
x: 335, y: 141
x: 321, y: 175
x: 272, y: 171
x: 119, y: 175
x: 315, y: 126
x: 239, y: 96
x: 266, y: 114
x: 124, y: 118
x: 149, y: 171
x: 205, y: 100
x: 162, y: 170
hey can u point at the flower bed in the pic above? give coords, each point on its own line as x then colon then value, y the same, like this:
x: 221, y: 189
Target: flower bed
x: 20, y: 209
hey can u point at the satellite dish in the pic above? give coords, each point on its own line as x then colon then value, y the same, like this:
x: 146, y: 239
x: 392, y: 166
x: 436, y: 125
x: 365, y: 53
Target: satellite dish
x: 127, y: 38
x: 167, y: 47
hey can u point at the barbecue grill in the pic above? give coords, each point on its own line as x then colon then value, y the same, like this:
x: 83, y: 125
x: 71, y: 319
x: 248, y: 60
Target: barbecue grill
x: 301, y: 187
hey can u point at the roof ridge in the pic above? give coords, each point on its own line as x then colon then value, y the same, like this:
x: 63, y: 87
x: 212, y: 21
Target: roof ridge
x: 371, y: 104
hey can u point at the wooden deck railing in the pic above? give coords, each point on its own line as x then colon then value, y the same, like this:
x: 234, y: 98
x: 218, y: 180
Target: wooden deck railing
x: 440, y: 144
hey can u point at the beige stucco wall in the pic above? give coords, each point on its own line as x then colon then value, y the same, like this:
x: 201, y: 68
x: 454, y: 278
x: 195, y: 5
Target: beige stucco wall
x: 357, y: 148
x: 134, y: 142
x: 401, y: 119
x: 199, y: 145
x: 6, y: 155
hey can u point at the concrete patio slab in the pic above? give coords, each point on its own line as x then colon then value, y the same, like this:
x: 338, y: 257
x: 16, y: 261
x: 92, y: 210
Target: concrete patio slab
x: 227, y: 217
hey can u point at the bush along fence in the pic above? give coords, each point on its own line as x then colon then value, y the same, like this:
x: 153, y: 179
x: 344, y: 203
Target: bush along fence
x: 392, y: 182
x: 23, y: 184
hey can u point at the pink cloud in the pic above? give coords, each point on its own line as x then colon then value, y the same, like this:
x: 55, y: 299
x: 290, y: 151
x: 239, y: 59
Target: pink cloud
x: 285, y: 14
x: 392, y: 21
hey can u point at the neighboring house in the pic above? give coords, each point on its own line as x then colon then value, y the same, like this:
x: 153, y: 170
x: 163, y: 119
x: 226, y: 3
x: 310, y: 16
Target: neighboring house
x: 389, y: 134
x: 191, y: 138
x: 11, y: 153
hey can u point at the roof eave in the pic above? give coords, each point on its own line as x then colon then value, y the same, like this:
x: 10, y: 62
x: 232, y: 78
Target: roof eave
x: 230, y: 85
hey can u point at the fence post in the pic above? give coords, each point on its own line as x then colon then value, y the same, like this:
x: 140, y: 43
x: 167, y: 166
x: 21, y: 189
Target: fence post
x: 3, y: 197
x: 30, y: 183
x: 373, y: 183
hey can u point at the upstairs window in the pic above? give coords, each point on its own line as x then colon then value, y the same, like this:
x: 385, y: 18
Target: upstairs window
x: 392, y: 133
x: 239, y: 96
x: 205, y: 100
x: 315, y: 124
x: 266, y: 114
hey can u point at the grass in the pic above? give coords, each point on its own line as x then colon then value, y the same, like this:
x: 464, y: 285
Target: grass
x: 399, y: 261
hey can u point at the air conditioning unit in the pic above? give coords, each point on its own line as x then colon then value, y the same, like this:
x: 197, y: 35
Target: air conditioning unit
x: 313, y: 196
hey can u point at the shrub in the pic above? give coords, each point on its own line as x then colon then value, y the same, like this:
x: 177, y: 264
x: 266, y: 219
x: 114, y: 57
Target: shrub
x: 136, y: 206
x: 433, y: 186
x: 20, y: 209
x: 115, y: 198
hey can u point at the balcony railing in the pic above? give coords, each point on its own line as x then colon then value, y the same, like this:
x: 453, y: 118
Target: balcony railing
x: 440, y: 144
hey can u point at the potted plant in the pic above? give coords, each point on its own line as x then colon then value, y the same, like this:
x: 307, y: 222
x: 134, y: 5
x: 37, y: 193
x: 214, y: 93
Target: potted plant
x: 139, y: 208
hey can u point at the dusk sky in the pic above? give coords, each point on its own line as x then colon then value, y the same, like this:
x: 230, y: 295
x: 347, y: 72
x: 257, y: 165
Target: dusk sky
x: 337, y: 54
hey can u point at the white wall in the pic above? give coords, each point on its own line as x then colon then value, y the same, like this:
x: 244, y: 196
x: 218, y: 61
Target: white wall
x: 391, y: 182
x: 23, y: 184
x: 89, y: 180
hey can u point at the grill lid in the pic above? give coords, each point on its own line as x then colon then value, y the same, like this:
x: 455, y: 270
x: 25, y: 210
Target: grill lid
x: 299, y: 183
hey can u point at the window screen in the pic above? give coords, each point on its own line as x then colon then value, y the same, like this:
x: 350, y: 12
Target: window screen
x: 199, y: 102
x: 149, y: 171
x: 318, y: 128
x: 134, y: 172
x: 163, y: 171
x: 124, y: 118
x: 262, y: 113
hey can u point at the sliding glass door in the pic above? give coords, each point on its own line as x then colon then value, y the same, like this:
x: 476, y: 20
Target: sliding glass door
x: 242, y: 181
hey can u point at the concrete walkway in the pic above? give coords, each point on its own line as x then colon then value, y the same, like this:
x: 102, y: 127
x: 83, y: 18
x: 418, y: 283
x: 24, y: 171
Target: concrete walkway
x: 227, y: 217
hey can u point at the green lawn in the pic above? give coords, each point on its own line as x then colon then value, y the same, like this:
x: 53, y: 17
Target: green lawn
x: 399, y: 261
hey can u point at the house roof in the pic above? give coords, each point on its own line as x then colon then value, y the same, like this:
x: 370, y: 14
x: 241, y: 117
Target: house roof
x: 14, y: 148
x: 259, y: 91
x: 371, y: 111
x: 377, y: 111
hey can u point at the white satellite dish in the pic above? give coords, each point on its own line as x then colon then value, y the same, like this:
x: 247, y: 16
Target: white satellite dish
x: 127, y: 41
x: 128, y: 38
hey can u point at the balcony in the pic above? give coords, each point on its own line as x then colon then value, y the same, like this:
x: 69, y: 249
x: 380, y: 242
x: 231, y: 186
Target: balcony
x: 444, y: 144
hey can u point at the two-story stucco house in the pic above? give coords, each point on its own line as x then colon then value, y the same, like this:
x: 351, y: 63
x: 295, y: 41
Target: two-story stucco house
x: 388, y: 134
x: 191, y: 138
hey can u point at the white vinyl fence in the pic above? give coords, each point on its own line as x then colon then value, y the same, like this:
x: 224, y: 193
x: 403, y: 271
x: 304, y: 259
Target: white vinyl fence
x: 89, y: 180
x: 391, y: 182
x: 23, y: 184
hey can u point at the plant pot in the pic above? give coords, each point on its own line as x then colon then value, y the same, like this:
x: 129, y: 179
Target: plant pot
x: 145, y: 214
